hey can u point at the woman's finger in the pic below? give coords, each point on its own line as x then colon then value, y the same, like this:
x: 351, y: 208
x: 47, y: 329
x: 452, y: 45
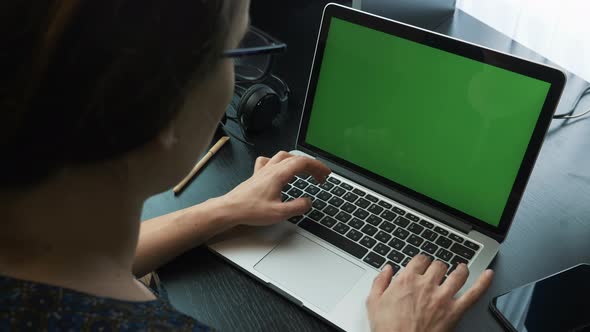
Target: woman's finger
x: 280, y: 156
x: 380, y: 284
x: 295, y: 207
x: 436, y: 271
x: 303, y: 165
x: 418, y: 264
x: 475, y: 292
x: 455, y: 280
x: 260, y: 162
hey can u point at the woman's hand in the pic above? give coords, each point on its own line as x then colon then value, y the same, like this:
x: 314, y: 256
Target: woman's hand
x: 257, y: 201
x: 416, y: 301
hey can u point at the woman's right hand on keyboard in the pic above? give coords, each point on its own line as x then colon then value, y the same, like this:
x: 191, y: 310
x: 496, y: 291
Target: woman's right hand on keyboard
x: 257, y: 201
x: 416, y: 301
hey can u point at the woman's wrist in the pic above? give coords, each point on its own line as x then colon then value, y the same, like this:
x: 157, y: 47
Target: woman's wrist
x: 223, y: 212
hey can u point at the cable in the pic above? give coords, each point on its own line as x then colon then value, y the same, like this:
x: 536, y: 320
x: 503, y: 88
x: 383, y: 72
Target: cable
x: 569, y: 115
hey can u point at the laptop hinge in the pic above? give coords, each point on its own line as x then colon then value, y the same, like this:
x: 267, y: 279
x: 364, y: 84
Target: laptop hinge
x: 423, y: 208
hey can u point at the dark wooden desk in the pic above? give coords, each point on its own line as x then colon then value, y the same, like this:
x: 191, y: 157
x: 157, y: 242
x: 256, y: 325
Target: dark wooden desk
x: 551, y: 231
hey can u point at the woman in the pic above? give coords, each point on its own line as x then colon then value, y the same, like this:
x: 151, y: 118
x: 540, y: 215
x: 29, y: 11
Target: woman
x: 105, y: 103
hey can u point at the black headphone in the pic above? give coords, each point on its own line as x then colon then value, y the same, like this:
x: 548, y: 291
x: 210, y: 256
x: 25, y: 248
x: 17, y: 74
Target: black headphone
x: 259, y: 104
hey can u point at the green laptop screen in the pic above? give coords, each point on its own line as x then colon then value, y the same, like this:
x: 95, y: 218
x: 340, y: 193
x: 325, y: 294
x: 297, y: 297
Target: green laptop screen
x: 448, y: 127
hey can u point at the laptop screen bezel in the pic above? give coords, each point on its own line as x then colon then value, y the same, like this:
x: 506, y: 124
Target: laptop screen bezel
x: 545, y: 73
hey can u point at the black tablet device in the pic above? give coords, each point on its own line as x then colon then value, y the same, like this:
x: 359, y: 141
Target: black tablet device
x: 560, y: 302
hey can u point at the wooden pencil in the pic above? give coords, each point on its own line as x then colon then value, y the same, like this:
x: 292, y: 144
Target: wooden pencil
x: 179, y: 187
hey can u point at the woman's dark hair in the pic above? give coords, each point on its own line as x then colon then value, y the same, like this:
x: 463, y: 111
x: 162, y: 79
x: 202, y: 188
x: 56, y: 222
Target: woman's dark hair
x: 83, y: 81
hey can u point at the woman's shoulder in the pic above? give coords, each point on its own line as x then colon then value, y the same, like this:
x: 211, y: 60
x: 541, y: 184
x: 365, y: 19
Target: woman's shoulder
x: 26, y: 305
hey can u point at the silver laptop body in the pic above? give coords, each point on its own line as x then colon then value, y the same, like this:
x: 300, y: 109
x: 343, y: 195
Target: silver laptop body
x: 328, y: 280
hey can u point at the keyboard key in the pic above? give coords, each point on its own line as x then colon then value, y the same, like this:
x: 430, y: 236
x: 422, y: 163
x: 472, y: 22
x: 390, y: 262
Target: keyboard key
x: 402, y: 222
x: 412, y: 217
x: 386, y: 226
x: 385, y: 204
x: 406, y: 261
x: 369, y: 230
x: 348, y: 207
x: 300, y: 184
x: 376, y: 209
x: 350, y: 197
x: 397, y: 243
x: 382, y: 249
x: 443, y: 242
x: 363, y: 203
x: 429, y: 247
x: 361, y: 214
x: 388, y: 215
x: 396, y: 256
x: 398, y: 211
x: 374, y: 220
x: 372, y: 198
x: 341, y: 228
x: 330, y: 210
x: 356, y: 223
x: 383, y: 237
x: 319, y: 204
x: 426, y: 224
x: 415, y: 228
x: 401, y: 233
x: 343, y: 216
x: 312, y: 190
x: 456, y: 238
x: 294, y: 192
x: 312, y: 180
x: 444, y: 255
x: 338, y: 191
x: 471, y: 245
x: 456, y: 261
x: 327, y: 186
x: 346, y: 186
x: 287, y: 187
x: 295, y: 219
x: 284, y: 197
x: 441, y: 231
x: 415, y: 240
x: 324, y: 195
x: 374, y: 260
x: 333, y: 238
x: 334, y: 180
x: 429, y: 235
x: 336, y: 201
x: 328, y: 222
x: 410, y: 250
x: 394, y: 267
x: 354, y: 235
x: 316, y: 215
x: 368, y: 242
x: 462, y: 250
x: 359, y: 192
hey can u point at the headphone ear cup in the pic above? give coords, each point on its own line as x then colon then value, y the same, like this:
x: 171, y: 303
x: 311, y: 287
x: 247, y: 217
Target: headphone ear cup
x: 258, y: 107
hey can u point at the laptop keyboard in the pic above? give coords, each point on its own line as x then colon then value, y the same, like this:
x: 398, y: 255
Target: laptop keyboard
x: 373, y: 230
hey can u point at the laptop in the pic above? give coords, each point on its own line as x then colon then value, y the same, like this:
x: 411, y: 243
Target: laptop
x: 431, y: 141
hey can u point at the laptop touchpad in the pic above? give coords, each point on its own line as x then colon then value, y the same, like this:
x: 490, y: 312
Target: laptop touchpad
x: 310, y: 271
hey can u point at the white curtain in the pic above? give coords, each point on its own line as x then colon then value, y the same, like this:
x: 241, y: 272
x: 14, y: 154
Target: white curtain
x: 557, y: 29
